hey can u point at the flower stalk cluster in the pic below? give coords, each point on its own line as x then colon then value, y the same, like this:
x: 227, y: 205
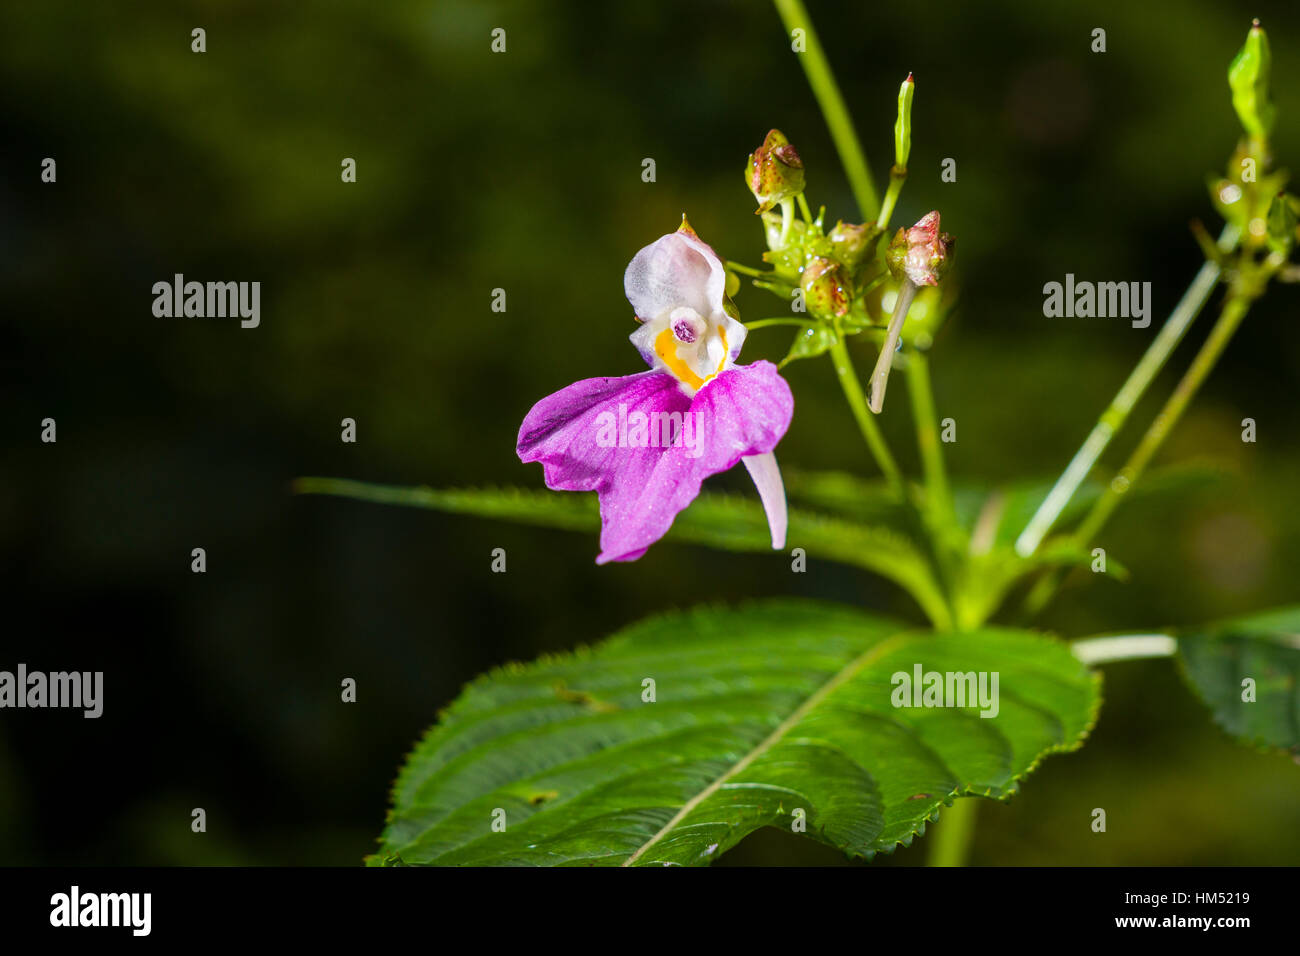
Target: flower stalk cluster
x: 844, y: 280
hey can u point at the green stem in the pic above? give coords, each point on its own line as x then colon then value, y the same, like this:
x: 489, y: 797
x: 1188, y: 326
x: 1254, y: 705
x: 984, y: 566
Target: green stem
x: 858, y: 404
x: 1234, y: 310
x: 897, y: 177
x: 764, y: 323
x: 747, y: 270
x: 938, y: 494
x: 824, y: 87
x: 1115, y: 415
x: 950, y: 844
x: 803, y: 206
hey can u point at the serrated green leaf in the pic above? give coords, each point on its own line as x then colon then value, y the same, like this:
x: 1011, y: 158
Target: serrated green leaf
x: 759, y: 712
x: 1264, y: 648
x: 714, y: 520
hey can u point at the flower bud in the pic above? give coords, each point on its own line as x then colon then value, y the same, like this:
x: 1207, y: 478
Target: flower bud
x: 774, y: 172
x: 827, y: 289
x: 903, y: 125
x: 921, y: 254
x: 1248, y: 79
x: 852, y: 243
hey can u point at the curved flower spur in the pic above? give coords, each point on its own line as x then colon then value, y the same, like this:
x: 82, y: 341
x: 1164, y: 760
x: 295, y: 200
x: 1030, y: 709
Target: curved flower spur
x: 645, y: 442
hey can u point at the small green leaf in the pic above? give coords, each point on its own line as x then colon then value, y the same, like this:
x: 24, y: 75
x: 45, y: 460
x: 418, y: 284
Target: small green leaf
x: 810, y: 342
x: 1258, y: 656
x: 777, y: 714
x: 1248, y: 77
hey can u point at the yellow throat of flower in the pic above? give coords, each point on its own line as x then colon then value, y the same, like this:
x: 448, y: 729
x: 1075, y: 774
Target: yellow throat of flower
x: 666, y: 346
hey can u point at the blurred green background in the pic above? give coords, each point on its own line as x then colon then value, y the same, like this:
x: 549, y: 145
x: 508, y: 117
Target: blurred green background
x: 522, y: 171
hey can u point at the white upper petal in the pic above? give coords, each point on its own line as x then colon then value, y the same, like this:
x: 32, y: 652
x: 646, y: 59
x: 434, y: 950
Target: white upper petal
x: 679, y: 276
x: 675, y: 270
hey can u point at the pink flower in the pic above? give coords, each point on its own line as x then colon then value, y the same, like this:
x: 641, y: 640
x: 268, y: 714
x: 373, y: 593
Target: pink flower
x: 645, y: 443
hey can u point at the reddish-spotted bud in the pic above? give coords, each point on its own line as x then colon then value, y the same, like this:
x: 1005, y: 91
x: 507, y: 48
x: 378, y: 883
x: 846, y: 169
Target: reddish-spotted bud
x: 774, y: 172
x: 922, y: 253
x: 827, y: 289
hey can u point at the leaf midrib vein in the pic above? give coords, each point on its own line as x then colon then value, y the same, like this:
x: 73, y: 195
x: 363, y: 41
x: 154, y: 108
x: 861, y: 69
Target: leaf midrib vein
x: 527, y: 733
x: 850, y: 670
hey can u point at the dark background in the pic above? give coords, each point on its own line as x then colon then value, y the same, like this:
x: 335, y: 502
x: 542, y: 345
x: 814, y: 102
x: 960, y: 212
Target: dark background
x: 523, y: 171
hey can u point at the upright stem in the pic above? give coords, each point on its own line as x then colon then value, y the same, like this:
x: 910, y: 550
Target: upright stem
x: 897, y: 176
x: 858, y: 403
x: 950, y: 844
x: 824, y: 87
x: 1113, y: 418
x: 1234, y: 310
x: 938, y: 494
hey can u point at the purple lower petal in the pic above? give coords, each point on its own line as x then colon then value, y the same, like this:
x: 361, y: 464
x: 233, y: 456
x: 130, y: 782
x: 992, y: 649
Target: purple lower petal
x: 563, y: 432
x: 744, y: 411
